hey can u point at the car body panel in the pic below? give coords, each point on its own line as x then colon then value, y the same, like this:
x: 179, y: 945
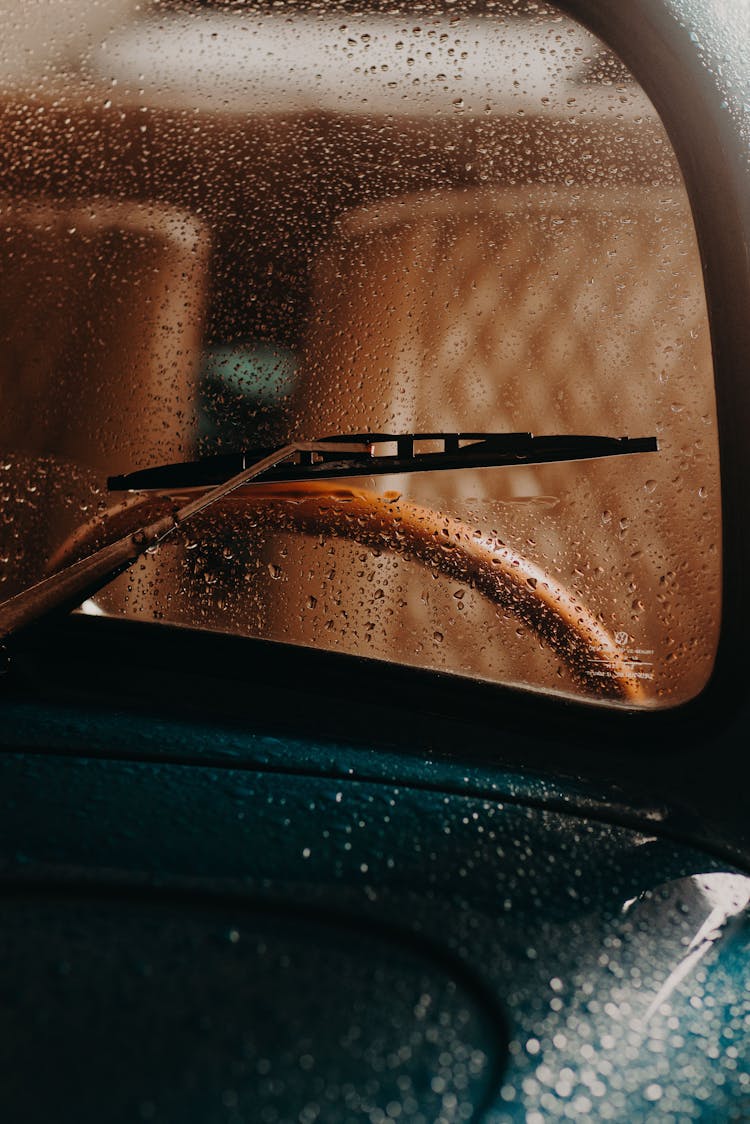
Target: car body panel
x: 571, y: 879
x: 572, y: 937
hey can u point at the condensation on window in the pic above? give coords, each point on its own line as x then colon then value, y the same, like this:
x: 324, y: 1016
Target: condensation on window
x: 229, y: 225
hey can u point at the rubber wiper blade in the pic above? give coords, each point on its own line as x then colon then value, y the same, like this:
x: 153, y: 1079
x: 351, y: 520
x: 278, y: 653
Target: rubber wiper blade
x: 387, y: 453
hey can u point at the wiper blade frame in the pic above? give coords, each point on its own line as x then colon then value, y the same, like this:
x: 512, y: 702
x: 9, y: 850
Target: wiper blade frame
x: 388, y: 453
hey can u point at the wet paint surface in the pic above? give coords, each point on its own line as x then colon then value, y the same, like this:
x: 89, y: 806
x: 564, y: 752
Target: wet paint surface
x: 615, y: 958
x: 170, y: 1008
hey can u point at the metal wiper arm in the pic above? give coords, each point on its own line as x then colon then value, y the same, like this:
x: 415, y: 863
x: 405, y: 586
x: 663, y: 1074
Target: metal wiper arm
x: 74, y: 583
x: 390, y: 453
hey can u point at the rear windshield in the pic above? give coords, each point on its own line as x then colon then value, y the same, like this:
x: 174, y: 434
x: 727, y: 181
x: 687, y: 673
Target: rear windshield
x: 228, y: 226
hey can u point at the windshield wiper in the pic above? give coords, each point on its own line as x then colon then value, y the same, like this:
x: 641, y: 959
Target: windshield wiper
x: 331, y: 458
x: 382, y: 453
x: 80, y: 580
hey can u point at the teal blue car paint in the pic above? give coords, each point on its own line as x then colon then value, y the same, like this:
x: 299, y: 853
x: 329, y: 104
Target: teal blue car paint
x: 591, y: 964
x: 219, y: 1011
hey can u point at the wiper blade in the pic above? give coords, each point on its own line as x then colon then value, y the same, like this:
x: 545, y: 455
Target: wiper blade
x: 389, y: 453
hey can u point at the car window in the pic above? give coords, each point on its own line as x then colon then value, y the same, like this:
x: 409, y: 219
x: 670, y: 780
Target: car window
x: 225, y: 226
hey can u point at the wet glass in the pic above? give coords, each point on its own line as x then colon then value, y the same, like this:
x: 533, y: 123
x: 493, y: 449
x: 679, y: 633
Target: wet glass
x: 226, y: 226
